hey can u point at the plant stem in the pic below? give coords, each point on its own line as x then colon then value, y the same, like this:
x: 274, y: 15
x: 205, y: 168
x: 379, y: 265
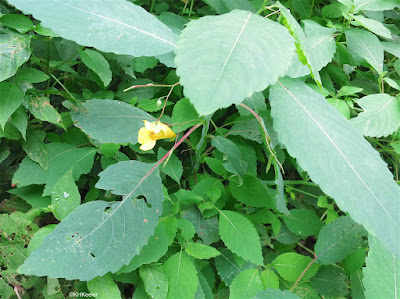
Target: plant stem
x: 262, y: 8
x: 302, y: 274
x: 159, y: 162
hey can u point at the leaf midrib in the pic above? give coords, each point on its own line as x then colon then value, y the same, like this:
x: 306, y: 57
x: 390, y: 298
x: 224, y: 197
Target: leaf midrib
x: 341, y: 154
x: 118, y: 22
x: 230, y: 55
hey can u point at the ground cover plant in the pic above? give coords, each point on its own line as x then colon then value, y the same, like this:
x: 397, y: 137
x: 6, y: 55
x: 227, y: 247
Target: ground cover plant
x: 200, y: 149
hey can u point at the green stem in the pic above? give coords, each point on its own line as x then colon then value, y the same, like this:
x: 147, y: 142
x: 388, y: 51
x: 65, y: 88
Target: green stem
x: 305, y: 248
x: 202, y: 140
x: 153, y: 2
x: 159, y: 162
x: 62, y: 85
x: 262, y: 8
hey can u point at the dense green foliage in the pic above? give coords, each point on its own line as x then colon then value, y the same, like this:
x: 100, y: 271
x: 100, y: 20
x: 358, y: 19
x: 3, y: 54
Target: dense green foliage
x: 282, y: 180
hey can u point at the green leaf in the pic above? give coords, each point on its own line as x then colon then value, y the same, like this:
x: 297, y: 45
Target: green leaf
x: 382, y: 274
x: 19, y: 119
x: 32, y: 195
x: 41, y: 108
x: 247, y: 127
x: 392, y: 48
x: 98, y: 64
x: 61, y: 157
x: 246, y: 284
x: 321, y: 43
x: 224, y: 6
x: 255, y: 102
x: 337, y: 239
x: 233, y: 162
x: 354, y: 261
x: 11, y: 97
x: 240, y: 236
x: 330, y: 281
x: 6, y: 291
x: 15, y: 51
x: 303, y: 222
x: 366, y: 46
x: 4, y: 151
x: 172, y: 167
x: 110, y: 121
x: 252, y: 192
x: 357, y: 287
x: 229, y: 265
x: 276, y: 294
x: 37, y: 239
x: 156, y: 247
x: 184, y: 116
x: 216, y: 165
x: 186, y: 228
x: 381, y: 115
x: 140, y: 292
x: 291, y: 265
x: 327, y: 152
x: 118, y: 26
x: 182, y: 276
x: 99, y: 237
x: 155, y: 281
x: 303, y: 46
x: 374, y: 26
x: 18, y: 22
x: 105, y: 287
x: 376, y: 5
x: 206, y: 229
x: 201, y: 251
x: 269, y: 279
x: 65, y: 196
x: 31, y: 75
x: 235, y: 64
x: 35, y: 148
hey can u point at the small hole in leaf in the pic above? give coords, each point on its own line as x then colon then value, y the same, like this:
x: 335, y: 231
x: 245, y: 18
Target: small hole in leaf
x: 92, y: 254
x: 145, y: 200
x: 108, y: 210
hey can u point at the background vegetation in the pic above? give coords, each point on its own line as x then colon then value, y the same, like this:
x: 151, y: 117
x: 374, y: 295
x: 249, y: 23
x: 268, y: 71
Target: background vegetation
x: 283, y: 178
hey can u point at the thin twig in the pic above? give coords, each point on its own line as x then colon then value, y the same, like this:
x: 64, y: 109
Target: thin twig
x: 166, y: 100
x: 260, y: 121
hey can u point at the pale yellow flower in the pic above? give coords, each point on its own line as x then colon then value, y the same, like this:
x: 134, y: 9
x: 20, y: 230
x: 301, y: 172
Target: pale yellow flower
x: 151, y: 132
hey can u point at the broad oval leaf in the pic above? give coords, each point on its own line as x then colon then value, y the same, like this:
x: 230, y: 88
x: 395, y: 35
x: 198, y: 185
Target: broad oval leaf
x: 246, y: 284
x: 104, y: 287
x: 381, y: 115
x: 15, y: 50
x: 224, y: 59
x: 366, y: 46
x: 321, y: 43
x: 382, y: 274
x: 110, y: 121
x: 61, y: 158
x: 182, y: 276
x: 338, y: 239
x: 116, y: 26
x: 375, y: 5
x: 330, y: 149
x: 99, y: 237
x: 155, y: 281
x: 374, y: 26
x: 275, y: 294
x: 291, y: 265
x: 240, y: 236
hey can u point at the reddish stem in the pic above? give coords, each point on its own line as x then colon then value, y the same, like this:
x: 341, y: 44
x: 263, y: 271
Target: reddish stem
x: 163, y: 158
